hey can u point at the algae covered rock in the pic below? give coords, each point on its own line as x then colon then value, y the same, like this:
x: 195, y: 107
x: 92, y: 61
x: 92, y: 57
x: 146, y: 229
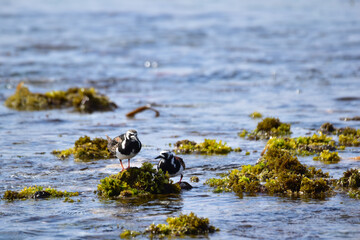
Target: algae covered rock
x: 268, y: 127
x: 281, y: 172
x: 137, y: 182
x: 209, y: 146
x: 86, y: 149
x: 183, y: 225
x: 255, y: 115
x: 85, y: 100
x: 37, y: 192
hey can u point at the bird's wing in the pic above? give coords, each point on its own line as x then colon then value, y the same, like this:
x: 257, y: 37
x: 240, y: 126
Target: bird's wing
x: 181, y: 161
x: 113, y: 143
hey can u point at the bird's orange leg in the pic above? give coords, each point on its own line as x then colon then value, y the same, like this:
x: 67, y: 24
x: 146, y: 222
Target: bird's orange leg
x: 128, y: 164
x: 122, y: 165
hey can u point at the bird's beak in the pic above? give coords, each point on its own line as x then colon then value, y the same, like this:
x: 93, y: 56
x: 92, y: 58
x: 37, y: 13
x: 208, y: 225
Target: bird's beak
x: 159, y: 157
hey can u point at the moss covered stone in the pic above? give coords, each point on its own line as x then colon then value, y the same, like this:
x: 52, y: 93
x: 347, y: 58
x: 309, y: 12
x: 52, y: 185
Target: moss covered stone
x: 85, y: 100
x: 183, y: 225
x: 281, y: 172
x: 86, y: 149
x: 137, y: 182
x: 328, y: 157
x: 37, y: 192
x: 209, y: 146
x: 268, y: 127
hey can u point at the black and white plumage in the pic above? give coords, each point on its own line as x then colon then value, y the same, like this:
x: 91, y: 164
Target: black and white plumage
x: 125, y: 146
x: 172, y: 164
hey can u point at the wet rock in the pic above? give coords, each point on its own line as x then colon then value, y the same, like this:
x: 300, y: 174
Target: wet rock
x: 185, y: 186
x: 41, y: 194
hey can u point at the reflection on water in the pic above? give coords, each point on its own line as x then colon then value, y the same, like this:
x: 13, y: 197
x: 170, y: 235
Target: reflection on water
x: 205, y: 67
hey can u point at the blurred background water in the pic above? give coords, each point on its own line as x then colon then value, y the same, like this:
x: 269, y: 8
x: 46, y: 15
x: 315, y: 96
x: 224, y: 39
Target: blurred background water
x: 205, y: 65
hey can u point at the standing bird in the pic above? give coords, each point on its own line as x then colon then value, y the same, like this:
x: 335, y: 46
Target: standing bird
x: 125, y: 146
x: 172, y: 164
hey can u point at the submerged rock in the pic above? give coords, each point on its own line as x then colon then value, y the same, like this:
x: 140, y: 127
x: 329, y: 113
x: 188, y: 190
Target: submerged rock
x: 185, y: 186
x: 85, y: 100
x: 86, y: 149
x: 209, y: 146
x: 137, y: 182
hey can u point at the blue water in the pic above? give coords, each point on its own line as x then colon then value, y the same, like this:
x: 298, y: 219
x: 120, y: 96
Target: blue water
x: 205, y: 65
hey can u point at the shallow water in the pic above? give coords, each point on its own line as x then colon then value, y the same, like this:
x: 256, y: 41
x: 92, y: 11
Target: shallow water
x: 205, y: 66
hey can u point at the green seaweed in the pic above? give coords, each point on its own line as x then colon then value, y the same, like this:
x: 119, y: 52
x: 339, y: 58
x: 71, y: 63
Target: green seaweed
x: 180, y: 226
x: 303, y: 146
x: 194, y: 179
x: 137, y: 182
x: 282, y: 173
x: 129, y: 234
x: 327, y: 128
x: 86, y: 149
x: 328, y: 157
x: 30, y: 192
x: 350, y: 179
x: 209, y: 146
x: 255, y: 115
x: 268, y: 127
x: 84, y: 100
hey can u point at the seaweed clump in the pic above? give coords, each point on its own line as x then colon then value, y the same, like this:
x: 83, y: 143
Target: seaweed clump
x: 278, y: 171
x: 137, y: 182
x: 37, y: 192
x: 268, y: 127
x: 303, y: 146
x: 86, y: 149
x: 209, y: 146
x: 349, y: 137
x: 328, y: 157
x: 255, y: 115
x: 350, y: 182
x: 183, y: 225
x: 85, y: 100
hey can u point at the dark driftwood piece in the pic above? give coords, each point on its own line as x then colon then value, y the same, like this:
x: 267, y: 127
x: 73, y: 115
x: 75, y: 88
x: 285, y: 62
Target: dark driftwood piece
x: 141, y: 109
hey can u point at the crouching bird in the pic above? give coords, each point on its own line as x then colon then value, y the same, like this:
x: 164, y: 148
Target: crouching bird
x: 172, y: 164
x: 124, y: 146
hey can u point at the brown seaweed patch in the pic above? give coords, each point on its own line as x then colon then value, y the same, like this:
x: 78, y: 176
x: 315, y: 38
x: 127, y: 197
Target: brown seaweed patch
x: 85, y: 100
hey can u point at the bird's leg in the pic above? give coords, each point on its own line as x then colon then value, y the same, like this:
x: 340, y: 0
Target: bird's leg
x: 128, y: 163
x: 122, y: 165
x: 181, y: 178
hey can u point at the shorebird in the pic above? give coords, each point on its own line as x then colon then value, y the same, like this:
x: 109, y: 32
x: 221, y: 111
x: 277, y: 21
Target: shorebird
x: 124, y: 146
x: 172, y: 164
